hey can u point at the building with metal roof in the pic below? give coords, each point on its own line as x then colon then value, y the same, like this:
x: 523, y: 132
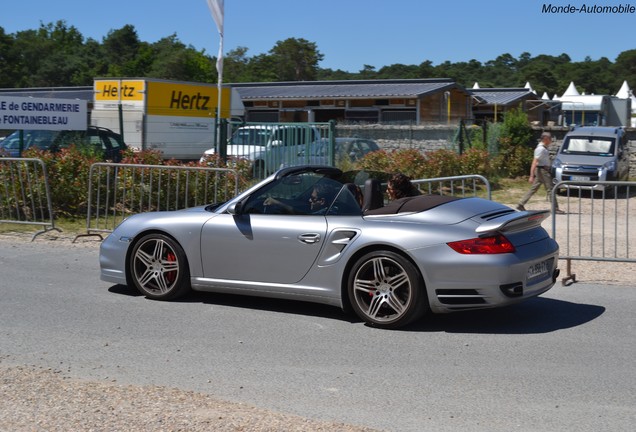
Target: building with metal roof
x: 491, y: 104
x: 415, y: 101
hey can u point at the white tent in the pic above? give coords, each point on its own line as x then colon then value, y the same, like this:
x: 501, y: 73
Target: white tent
x: 626, y: 93
x: 571, y: 90
x: 529, y: 87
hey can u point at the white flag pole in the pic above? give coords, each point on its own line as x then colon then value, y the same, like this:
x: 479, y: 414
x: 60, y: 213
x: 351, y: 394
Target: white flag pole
x: 217, y: 8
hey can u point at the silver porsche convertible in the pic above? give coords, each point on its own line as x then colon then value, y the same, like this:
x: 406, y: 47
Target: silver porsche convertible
x: 305, y: 233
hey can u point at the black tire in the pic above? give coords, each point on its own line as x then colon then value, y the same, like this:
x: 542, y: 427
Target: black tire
x: 159, y: 268
x: 386, y: 290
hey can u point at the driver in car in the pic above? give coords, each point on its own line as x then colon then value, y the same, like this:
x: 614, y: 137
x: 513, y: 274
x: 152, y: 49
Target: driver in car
x: 318, y: 201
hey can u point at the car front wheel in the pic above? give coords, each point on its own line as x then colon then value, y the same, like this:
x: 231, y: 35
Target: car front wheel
x: 159, y: 267
x: 386, y: 290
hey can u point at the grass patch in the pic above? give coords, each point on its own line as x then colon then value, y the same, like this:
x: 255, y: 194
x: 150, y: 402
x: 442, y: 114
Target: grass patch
x: 509, y: 191
x: 67, y: 225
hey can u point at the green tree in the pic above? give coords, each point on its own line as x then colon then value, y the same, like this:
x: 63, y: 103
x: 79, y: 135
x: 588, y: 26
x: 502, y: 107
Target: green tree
x: 8, y: 60
x: 169, y: 58
x: 330, y: 75
x: 30, y: 49
x: 399, y: 71
x: 501, y: 72
x: 91, y: 64
x: 367, y: 72
x: 296, y: 60
x: 516, y: 128
x: 625, y: 67
x: 262, y: 68
x: 235, y: 65
x: 515, y: 144
x: 121, y: 50
x: 426, y: 69
x: 62, y: 61
x: 545, y: 73
x: 541, y: 76
x: 466, y: 73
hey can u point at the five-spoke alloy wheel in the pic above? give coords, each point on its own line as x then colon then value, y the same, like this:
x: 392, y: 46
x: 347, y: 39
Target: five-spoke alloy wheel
x: 159, y: 268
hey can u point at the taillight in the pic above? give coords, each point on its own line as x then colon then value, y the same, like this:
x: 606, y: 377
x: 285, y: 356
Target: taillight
x: 497, y: 244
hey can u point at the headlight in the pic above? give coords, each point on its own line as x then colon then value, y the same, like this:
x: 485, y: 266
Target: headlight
x: 557, y: 164
x: 610, y: 166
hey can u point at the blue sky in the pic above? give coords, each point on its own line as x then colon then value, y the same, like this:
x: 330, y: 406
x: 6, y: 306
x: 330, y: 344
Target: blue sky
x: 354, y: 33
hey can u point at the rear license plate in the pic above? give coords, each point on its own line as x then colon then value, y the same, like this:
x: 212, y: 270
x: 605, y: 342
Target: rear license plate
x: 540, y: 269
x: 579, y: 178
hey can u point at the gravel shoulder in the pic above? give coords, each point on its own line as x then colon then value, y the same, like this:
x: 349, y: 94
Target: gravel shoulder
x: 34, y: 399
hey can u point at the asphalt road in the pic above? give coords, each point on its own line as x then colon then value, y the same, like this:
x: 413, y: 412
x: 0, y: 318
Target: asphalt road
x: 564, y: 361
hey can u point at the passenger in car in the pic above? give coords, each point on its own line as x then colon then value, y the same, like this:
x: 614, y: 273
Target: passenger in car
x: 400, y: 190
x: 400, y: 186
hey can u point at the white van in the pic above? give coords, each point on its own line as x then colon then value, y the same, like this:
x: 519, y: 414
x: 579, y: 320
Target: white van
x: 592, y: 154
x: 269, y: 147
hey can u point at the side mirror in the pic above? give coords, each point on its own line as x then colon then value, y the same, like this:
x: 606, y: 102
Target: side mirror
x: 236, y: 208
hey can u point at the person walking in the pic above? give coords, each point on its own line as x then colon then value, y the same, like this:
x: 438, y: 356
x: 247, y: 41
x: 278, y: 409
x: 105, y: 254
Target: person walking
x: 540, y: 173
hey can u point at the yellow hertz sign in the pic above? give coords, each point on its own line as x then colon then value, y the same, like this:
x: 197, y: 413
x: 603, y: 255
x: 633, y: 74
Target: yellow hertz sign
x: 165, y: 98
x: 119, y: 90
x: 186, y: 100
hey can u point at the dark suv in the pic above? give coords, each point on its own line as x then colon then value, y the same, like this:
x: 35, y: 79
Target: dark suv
x: 108, y: 143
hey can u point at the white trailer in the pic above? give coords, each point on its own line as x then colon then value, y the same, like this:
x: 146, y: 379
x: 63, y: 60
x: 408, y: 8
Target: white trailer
x: 595, y: 110
x: 176, y: 118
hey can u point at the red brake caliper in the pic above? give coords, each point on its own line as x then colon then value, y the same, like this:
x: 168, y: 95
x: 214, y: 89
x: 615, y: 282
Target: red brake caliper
x: 171, y: 276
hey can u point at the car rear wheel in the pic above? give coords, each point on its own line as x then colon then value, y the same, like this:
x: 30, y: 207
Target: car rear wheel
x: 159, y: 267
x: 386, y: 290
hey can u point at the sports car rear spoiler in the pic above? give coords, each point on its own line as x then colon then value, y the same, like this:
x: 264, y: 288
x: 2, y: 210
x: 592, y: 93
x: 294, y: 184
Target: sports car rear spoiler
x: 514, y: 221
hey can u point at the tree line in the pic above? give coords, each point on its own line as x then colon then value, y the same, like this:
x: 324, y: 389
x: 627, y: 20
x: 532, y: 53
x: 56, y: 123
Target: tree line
x: 57, y: 55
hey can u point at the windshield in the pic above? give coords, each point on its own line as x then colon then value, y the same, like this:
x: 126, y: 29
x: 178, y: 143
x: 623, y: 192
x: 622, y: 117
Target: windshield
x: 305, y: 193
x: 250, y: 136
x: 594, y: 146
x: 41, y: 139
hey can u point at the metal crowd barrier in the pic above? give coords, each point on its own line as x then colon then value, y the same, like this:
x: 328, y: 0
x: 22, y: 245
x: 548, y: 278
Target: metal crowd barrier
x: 117, y: 191
x: 596, y: 223
x: 467, y: 185
x: 25, y: 194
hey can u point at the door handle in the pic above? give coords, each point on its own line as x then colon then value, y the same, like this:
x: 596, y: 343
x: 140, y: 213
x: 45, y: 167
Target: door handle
x: 309, y: 238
